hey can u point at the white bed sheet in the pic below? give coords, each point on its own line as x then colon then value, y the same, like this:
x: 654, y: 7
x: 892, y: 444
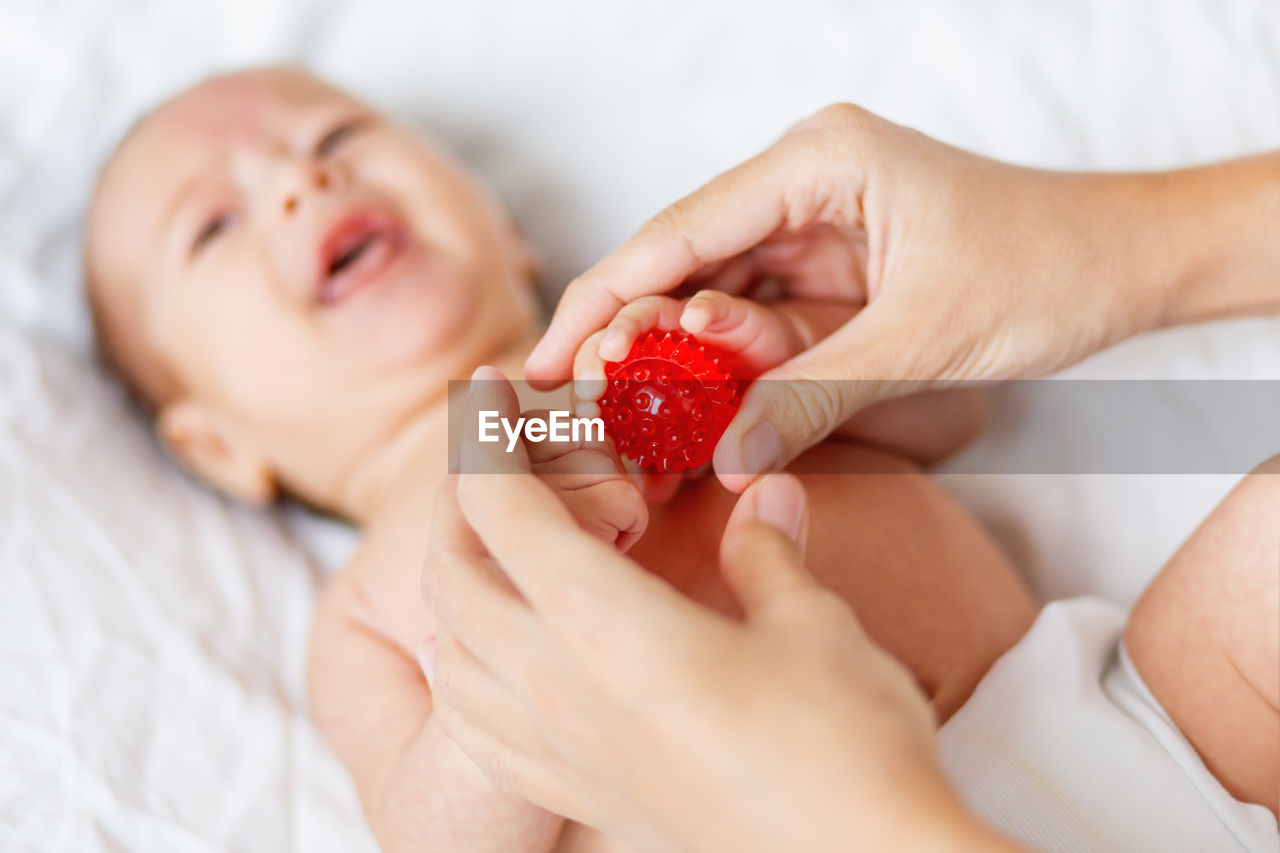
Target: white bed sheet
x: 151, y: 635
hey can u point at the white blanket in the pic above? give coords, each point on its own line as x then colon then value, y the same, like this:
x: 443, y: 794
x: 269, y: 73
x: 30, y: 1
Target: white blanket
x: 152, y: 636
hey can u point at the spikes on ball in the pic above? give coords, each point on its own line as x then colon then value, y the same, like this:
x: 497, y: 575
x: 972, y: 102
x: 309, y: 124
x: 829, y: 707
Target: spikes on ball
x: 669, y: 401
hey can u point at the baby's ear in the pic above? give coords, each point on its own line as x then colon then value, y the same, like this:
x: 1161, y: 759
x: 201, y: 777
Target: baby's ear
x: 205, y: 443
x: 528, y: 261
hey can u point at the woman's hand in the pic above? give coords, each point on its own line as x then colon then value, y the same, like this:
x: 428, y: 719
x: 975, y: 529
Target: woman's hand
x: 968, y: 268
x: 593, y: 689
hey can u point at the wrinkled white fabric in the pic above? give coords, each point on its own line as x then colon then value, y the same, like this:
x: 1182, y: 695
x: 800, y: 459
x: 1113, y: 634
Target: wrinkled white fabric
x: 152, y: 637
x: 1064, y: 748
x: 152, y: 640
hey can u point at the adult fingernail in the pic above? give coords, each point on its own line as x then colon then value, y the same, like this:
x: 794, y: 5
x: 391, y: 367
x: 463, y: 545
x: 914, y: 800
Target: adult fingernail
x: 760, y: 449
x: 483, y: 373
x: 780, y: 504
x: 427, y: 662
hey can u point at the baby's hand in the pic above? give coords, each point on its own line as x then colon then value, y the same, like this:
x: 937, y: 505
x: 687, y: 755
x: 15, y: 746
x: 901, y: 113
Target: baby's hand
x: 759, y: 335
x: 588, y: 476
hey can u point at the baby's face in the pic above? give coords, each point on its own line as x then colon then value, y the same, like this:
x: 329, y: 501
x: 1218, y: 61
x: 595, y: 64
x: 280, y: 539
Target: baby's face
x: 298, y: 272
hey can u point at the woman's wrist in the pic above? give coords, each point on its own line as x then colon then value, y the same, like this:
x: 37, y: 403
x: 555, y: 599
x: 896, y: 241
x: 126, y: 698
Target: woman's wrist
x: 1207, y: 241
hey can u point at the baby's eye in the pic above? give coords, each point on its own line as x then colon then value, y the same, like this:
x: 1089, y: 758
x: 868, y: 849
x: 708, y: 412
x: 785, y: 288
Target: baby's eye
x: 210, y: 231
x: 331, y: 141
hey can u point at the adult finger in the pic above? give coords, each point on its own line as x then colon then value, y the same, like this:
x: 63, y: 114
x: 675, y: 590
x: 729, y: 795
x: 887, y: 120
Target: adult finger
x: 538, y: 544
x: 469, y: 596
x: 762, y: 552
x: 797, y: 404
x: 730, y: 214
x: 461, y: 682
x: 568, y: 576
x: 545, y: 784
x: 489, y: 396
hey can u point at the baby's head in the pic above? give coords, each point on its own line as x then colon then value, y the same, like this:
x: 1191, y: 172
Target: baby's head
x: 287, y: 277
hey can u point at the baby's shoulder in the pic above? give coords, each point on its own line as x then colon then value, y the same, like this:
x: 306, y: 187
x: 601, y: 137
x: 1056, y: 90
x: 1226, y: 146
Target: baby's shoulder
x: 380, y: 590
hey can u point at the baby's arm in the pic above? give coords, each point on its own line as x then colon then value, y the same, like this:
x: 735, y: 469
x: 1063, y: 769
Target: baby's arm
x: 924, y: 427
x: 418, y: 790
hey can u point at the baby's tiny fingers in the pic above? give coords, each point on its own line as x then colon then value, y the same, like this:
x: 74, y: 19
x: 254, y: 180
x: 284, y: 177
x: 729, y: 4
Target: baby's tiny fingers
x: 541, y: 452
x: 636, y: 318
x: 583, y: 467
x: 613, y: 510
x: 588, y: 378
x: 715, y: 311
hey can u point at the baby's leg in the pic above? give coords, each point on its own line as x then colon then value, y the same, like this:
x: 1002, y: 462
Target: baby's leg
x: 1206, y: 638
x: 928, y: 583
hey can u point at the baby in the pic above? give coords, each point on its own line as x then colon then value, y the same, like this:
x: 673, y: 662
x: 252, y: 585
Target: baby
x: 289, y: 280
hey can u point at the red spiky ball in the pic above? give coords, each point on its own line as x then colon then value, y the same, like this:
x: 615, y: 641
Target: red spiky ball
x: 669, y: 401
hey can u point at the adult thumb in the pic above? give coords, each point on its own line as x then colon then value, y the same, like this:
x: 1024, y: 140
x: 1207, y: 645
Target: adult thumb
x: 762, y: 553
x: 799, y: 403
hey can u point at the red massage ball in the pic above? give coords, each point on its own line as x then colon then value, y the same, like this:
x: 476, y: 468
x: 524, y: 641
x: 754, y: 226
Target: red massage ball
x: 669, y: 401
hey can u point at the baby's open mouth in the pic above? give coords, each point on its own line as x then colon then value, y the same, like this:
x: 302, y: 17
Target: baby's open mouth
x: 355, y: 252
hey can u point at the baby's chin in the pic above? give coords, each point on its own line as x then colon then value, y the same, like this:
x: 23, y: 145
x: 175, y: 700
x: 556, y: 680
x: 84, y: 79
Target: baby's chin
x: 452, y: 348
x: 506, y: 351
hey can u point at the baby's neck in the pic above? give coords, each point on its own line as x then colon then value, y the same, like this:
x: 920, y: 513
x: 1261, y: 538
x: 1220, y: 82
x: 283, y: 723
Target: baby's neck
x: 415, y: 455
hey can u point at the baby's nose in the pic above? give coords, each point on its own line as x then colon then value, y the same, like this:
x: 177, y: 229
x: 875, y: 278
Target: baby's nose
x: 300, y: 180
